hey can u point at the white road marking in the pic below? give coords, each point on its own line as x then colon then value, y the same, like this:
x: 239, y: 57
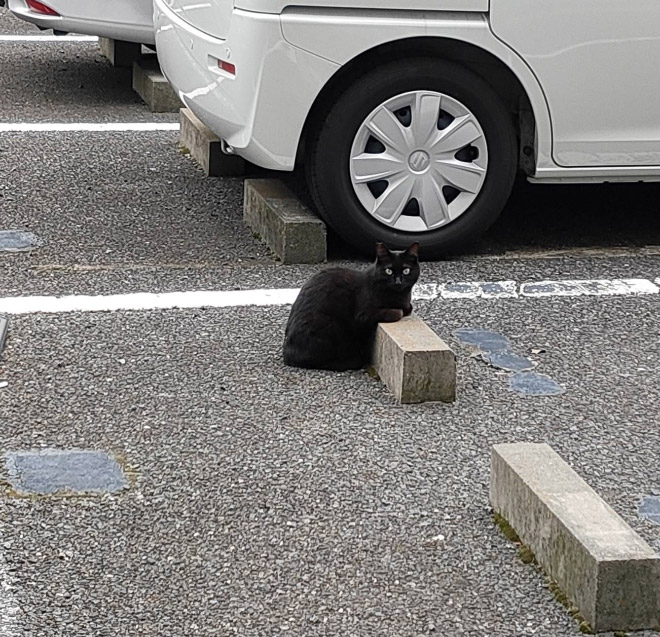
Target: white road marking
x: 597, y: 287
x: 98, y: 127
x: 142, y: 301
x: 466, y: 290
x: 427, y: 291
x: 48, y: 38
x: 146, y: 301
x: 480, y: 290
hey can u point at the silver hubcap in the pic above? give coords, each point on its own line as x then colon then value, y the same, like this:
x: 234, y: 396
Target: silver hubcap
x: 418, y: 161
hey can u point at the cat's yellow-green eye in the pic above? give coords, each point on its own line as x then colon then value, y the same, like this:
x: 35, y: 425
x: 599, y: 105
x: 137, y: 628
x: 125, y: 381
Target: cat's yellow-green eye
x: 388, y: 271
x: 406, y: 270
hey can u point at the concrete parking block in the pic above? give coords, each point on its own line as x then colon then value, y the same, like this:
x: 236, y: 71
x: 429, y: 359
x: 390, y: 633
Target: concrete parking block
x: 278, y: 218
x: 121, y: 54
x: 206, y: 148
x: 150, y: 84
x: 414, y: 362
x: 606, y: 569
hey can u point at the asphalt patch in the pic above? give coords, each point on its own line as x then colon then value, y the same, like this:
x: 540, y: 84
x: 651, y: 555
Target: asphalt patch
x: 484, y: 340
x: 18, y: 241
x: 533, y: 384
x: 50, y: 471
x: 495, y: 350
x: 649, y: 508
x: 508, y: 361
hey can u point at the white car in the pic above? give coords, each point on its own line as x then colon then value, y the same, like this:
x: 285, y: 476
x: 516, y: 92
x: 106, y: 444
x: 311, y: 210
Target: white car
x: 413, y: 122
x: 127, y: 20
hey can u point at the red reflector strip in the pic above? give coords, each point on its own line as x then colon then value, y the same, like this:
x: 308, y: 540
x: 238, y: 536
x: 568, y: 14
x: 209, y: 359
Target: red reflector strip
x: 227, y: 67
x: 40, y: 7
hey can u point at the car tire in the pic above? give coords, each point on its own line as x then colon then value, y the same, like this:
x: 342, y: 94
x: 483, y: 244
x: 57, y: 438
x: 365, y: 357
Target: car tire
x: 408, y: 91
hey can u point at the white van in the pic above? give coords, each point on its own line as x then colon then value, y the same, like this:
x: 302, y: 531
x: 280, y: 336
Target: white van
x: 128, y: 20
x: 412, y: 122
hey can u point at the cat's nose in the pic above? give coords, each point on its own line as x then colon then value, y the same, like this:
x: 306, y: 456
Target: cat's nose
x: 398, y: 281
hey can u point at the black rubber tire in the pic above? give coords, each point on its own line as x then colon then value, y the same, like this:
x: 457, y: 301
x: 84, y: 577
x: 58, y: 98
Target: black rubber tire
x: 329, y: 147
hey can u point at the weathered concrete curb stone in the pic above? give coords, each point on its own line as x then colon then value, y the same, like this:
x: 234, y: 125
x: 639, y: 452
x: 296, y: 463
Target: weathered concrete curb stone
x: 607, y: 570
x: 150, y: 84
x: 121, y: 54
x: 414, y: 362
x: 283, y: 223
x: 206, y: 149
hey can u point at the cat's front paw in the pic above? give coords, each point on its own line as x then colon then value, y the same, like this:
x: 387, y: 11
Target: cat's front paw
x: 391, y: 315
x: 407, y: 310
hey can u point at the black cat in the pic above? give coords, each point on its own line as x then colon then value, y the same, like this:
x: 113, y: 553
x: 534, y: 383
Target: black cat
x: 333, y: 322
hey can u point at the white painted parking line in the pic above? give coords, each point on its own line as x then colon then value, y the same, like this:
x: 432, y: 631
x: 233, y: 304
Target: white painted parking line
x: 480, y: 290
x: 48, y: 38
x: 596, y: 287
x: 146, y: 301
x: 285, y: 296
x: 467, y: 290
x: 98, y: 127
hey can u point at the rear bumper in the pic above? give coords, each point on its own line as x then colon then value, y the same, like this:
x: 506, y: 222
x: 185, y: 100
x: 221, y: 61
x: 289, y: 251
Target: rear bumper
x: 141, y: 32
x: 260, y: 111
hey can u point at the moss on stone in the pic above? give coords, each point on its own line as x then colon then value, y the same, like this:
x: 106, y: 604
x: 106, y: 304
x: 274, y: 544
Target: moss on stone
x: 506, y: 528
x: 371, y: 370
x: 527, y: 556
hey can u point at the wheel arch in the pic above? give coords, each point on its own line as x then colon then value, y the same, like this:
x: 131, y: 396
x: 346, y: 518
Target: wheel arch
x: 487, y: 65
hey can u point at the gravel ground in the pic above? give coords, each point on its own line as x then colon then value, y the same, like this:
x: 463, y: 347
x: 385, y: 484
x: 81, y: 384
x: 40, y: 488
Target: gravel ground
x: 276, y: 501
x: 67, y: 82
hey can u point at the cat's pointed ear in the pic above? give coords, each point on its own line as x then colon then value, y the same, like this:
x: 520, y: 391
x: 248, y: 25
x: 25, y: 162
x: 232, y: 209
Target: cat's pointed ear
x: 381, y: 250
x: 413, y: 250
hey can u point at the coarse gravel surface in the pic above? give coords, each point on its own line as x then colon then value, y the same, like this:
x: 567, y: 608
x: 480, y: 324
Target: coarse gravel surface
x: 268, y: 500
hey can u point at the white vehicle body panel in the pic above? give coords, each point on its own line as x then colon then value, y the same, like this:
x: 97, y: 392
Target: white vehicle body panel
x: 341, y: 37
x: 278, y: 6
x: 211, y: 17
x: 590, y: 126
x: 129, y: 20
x: 253, y: 111
x: 598, y: 64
